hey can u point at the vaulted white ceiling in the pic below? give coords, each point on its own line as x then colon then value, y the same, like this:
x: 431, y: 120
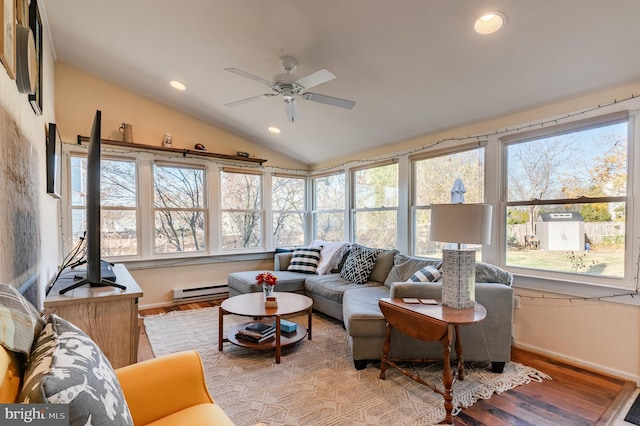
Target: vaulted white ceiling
x: 413, y: 67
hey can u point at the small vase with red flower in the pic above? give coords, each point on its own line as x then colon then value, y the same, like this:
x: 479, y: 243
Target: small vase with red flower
x: 268, y: 282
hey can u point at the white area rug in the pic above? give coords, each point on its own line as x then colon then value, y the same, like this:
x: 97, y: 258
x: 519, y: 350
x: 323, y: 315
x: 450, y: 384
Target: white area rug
x: 316, y: 383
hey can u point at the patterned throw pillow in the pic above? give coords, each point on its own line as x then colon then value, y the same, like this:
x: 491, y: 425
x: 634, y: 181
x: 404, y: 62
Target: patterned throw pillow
x: 20, y: 323
x: 359, y: 264
x: 305, y: 260
x: 66, y: 367
x: 428, y: 274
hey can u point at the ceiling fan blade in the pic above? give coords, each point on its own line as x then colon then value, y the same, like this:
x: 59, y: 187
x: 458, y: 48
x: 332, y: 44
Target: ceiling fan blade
x: 316, y: 78
x: 292, y: 109
x: 249, y: 75
x: 252, y: 98
x: 329, y: 100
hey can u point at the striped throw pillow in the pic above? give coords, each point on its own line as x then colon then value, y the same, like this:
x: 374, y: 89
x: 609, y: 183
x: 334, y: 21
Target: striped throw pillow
x: 305, y: 260
x: 428, y: 274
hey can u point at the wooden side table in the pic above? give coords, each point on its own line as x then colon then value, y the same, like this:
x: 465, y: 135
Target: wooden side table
x: 429, y: 323
x: 107, y: 314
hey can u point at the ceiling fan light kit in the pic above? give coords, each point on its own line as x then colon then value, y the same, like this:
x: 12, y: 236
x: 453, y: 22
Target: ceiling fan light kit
x: 290, y: 86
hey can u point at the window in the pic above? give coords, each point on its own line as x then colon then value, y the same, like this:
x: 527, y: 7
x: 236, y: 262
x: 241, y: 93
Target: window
x: 289, y: 211
x: 328, y: 207
x: 566, y: 198
x: 118, y: 201
x: 241, y: 209
x: 375, y: 206
x: 179, y: 208
x: 433, y: 182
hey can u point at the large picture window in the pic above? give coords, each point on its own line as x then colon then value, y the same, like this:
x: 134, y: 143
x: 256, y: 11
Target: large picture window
x: 328, y: 207
x: 241, y: 209
x: 289, y: 210
x: 375, y: 206
x: 118, y: 199
x: 436, y: 180
x: 566, y: 198
x: 180, y: 207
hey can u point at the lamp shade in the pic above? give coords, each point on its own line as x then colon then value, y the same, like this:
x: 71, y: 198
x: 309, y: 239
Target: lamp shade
x: 461, y: 223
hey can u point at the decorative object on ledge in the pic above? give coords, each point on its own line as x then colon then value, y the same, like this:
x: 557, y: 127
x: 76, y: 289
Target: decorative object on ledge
x: 127, y: 132
x: 182, y: 151
x: 8, y: 36
x: 460, y: 223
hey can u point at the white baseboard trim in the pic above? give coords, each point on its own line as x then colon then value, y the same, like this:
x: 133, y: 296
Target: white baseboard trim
x: 581, y: 363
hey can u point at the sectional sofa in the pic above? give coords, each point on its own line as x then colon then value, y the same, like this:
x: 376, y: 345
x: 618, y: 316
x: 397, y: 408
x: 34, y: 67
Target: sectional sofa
x: 356, y: 305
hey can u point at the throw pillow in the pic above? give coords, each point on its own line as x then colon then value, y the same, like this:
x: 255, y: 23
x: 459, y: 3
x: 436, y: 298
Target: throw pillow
x: 66, y: 367
x: 305, y: 260
x: 428, y: 274
x: 359, y: 264
x: 20, y: 323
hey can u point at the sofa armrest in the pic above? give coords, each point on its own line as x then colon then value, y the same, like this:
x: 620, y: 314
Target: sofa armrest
x: 281, y: 261
x: 420, y: 290
x: 161, y: 386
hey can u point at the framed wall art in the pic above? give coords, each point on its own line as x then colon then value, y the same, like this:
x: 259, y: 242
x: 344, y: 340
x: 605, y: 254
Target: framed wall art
x: 54, y: 156
x: 8, y: 36
x: 35, y: 23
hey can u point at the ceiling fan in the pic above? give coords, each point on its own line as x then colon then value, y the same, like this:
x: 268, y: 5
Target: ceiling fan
x: 289, y: 86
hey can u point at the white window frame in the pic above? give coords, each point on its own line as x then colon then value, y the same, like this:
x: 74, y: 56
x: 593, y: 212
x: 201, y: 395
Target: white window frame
x: 571, y: 283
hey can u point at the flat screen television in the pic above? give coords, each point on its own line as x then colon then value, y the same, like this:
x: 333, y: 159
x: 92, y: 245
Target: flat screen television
x: 99, y: 273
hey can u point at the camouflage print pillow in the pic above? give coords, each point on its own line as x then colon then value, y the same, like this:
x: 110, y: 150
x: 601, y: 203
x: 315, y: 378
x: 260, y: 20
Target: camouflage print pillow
x: 66, y: 367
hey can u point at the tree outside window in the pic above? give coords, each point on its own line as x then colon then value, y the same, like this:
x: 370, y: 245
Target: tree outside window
x: 566, y: 196
x: 433, y: 179
x: 118, y: 201
x: 288, y: 207
x: 328, y: 207
x: 375, y: 206
x: 241, y: 209
x: 179, y: 208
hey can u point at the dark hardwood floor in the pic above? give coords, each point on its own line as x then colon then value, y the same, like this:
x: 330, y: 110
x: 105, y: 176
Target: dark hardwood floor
x: 574, y: 396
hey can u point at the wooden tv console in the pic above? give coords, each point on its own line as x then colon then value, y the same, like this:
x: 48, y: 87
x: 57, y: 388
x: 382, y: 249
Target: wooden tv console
x: 107, y: 314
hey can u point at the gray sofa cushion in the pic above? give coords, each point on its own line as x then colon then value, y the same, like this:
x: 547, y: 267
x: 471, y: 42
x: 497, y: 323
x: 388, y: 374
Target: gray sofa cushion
x: 405, y: 266
x: 332, y: 286
x: 384, y: 263
x: 362, y: 316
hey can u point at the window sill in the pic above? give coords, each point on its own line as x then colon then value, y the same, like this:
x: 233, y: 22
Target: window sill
x: 167, y: 262
x: 567, y: 290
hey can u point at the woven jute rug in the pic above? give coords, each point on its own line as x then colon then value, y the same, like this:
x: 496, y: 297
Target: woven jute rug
x: 316, y: 383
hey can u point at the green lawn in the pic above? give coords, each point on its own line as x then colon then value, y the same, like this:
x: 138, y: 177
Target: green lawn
x: 607, y: 260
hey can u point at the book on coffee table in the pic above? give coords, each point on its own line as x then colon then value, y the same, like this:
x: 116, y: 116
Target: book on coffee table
x: 255, y: 339
x: 260, y: 327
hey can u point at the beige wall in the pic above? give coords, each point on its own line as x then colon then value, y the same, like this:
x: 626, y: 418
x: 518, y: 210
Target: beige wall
x: 158, y: 283
x: 80, y: 94
x: 595, y: 333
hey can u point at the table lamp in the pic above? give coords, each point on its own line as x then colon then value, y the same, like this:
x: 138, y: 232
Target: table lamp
x: 461, y: 224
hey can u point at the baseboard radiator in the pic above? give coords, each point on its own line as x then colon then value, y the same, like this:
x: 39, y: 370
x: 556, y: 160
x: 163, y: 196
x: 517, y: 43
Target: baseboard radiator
x: 186, y: 295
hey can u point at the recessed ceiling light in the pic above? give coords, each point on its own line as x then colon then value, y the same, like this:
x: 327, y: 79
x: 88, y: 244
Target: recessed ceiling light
x: 274, y: 129
x: 177, y: 85
x: 490, y: 22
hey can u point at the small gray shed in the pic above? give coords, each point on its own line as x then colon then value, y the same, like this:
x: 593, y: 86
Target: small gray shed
x: 561, y: 231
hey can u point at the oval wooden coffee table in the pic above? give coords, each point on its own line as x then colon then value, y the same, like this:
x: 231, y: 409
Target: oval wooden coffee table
x: 252, y: 305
